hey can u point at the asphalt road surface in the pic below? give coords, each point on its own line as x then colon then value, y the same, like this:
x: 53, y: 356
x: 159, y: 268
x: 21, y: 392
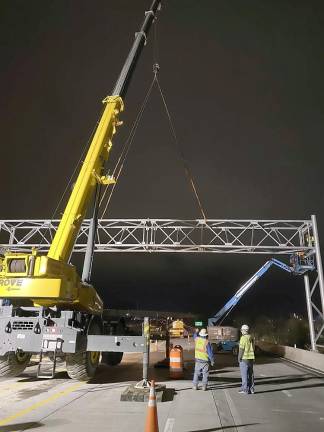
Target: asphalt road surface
x: 287, y: 398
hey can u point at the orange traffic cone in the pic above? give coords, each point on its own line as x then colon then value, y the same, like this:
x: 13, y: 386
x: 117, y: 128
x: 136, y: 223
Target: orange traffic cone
x: 152, y: 424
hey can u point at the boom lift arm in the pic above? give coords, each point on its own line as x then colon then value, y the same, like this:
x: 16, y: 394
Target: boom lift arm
x: 232, y: 302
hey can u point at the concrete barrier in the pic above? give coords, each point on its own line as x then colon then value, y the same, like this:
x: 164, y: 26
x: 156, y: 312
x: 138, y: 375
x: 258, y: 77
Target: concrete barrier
x: 306, y: 358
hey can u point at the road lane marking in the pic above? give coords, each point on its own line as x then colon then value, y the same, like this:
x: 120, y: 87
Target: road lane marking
x: 12, y: 386
x: 169, y: 425
x: 282, y: 410
x: 287, y: 393
x: 40, y: 404
x: 293, y: 411
x: 235, y: 414
x: 12, y: 390
x: 263, y: 375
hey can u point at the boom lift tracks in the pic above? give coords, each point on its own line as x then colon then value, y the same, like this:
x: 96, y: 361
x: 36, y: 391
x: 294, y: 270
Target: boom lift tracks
x: 51, y: 309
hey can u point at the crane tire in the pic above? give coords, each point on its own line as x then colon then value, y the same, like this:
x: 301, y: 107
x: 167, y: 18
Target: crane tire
x: 13, y: 364
x: 111, y: 358
x: 82, y: 366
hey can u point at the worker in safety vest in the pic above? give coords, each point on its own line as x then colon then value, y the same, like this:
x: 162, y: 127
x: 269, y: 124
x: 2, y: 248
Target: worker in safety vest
x: 203, y: 355
x: 246, y: 360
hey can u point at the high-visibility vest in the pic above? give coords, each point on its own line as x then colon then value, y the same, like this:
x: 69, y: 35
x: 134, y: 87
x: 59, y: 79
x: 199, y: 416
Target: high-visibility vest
x: 246, y: 344
x: 201, y: 349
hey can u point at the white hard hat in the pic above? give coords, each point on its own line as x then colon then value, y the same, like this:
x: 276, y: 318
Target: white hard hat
x: 245, y: 328
x: 203, y: 332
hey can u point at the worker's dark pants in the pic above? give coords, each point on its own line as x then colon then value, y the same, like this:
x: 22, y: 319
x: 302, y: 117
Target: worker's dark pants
x: 246, y: 368
x: 201, y: 367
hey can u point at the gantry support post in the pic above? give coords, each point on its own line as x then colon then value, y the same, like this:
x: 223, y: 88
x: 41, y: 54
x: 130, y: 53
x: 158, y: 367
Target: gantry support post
x: 146, y: 355
x: 318, y: 263
x: 310, y: 313
x: 316, y: 327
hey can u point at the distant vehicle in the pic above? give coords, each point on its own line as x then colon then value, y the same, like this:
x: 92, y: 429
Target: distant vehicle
x: 224, y: 338
x: 177, y: 329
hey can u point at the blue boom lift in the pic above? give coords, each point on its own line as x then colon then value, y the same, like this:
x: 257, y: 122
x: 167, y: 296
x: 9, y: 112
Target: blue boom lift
x: 226, y: 338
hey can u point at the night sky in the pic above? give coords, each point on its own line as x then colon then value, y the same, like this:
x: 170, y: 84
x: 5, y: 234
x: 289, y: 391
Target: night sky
x: 244, y: 84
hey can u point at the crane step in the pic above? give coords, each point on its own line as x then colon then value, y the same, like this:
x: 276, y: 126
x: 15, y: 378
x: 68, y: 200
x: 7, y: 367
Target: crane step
x: 46, y: 367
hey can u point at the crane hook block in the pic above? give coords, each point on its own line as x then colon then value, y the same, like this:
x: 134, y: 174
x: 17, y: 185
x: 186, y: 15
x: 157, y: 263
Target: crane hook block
x: 105, y: 179
x: 156, y: 68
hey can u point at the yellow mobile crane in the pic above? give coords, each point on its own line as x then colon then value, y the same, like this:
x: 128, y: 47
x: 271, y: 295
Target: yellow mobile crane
x: 52, y: 309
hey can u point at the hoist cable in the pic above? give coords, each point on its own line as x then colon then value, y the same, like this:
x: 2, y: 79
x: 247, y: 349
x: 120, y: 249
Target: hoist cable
x: 185, y: 163
x: 155, y: 44
x: 121, y: 161
x: 227, y: 313
x: 70, y: 180
x: 86, y: 145
x: 126, y: 147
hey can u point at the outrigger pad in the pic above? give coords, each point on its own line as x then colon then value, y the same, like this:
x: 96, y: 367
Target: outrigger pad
x: 132, y: 394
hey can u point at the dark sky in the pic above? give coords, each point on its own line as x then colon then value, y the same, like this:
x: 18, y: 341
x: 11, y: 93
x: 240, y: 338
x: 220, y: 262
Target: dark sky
x: 244, y: 84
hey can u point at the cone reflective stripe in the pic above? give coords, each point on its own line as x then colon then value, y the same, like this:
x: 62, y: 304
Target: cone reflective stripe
x: 152, y: 397
x: 152, y: 424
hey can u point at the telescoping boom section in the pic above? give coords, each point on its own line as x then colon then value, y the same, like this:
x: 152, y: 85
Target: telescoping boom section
x: 297, y: 269
x: 51, y: 280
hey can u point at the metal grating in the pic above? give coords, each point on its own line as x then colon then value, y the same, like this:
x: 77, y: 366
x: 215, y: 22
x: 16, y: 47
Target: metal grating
x: 22, y: 325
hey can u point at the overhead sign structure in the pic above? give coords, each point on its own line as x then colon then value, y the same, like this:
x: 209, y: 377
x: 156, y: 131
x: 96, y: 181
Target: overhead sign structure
x: 293, y: 238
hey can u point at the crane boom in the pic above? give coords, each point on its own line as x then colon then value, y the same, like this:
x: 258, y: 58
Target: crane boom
x: 91, y: 171
x: 89, y: 176
x: 50, y: 280
x: 63, y: 312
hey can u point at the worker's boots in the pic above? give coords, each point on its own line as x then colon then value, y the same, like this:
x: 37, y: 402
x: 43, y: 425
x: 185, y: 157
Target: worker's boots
x: 204, y: 387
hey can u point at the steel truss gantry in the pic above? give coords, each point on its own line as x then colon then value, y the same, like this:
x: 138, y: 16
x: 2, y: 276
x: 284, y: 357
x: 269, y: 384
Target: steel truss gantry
x: 270, y: 237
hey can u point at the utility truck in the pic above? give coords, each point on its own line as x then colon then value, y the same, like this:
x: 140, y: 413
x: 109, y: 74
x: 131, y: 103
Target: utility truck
x: 47, y: 307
